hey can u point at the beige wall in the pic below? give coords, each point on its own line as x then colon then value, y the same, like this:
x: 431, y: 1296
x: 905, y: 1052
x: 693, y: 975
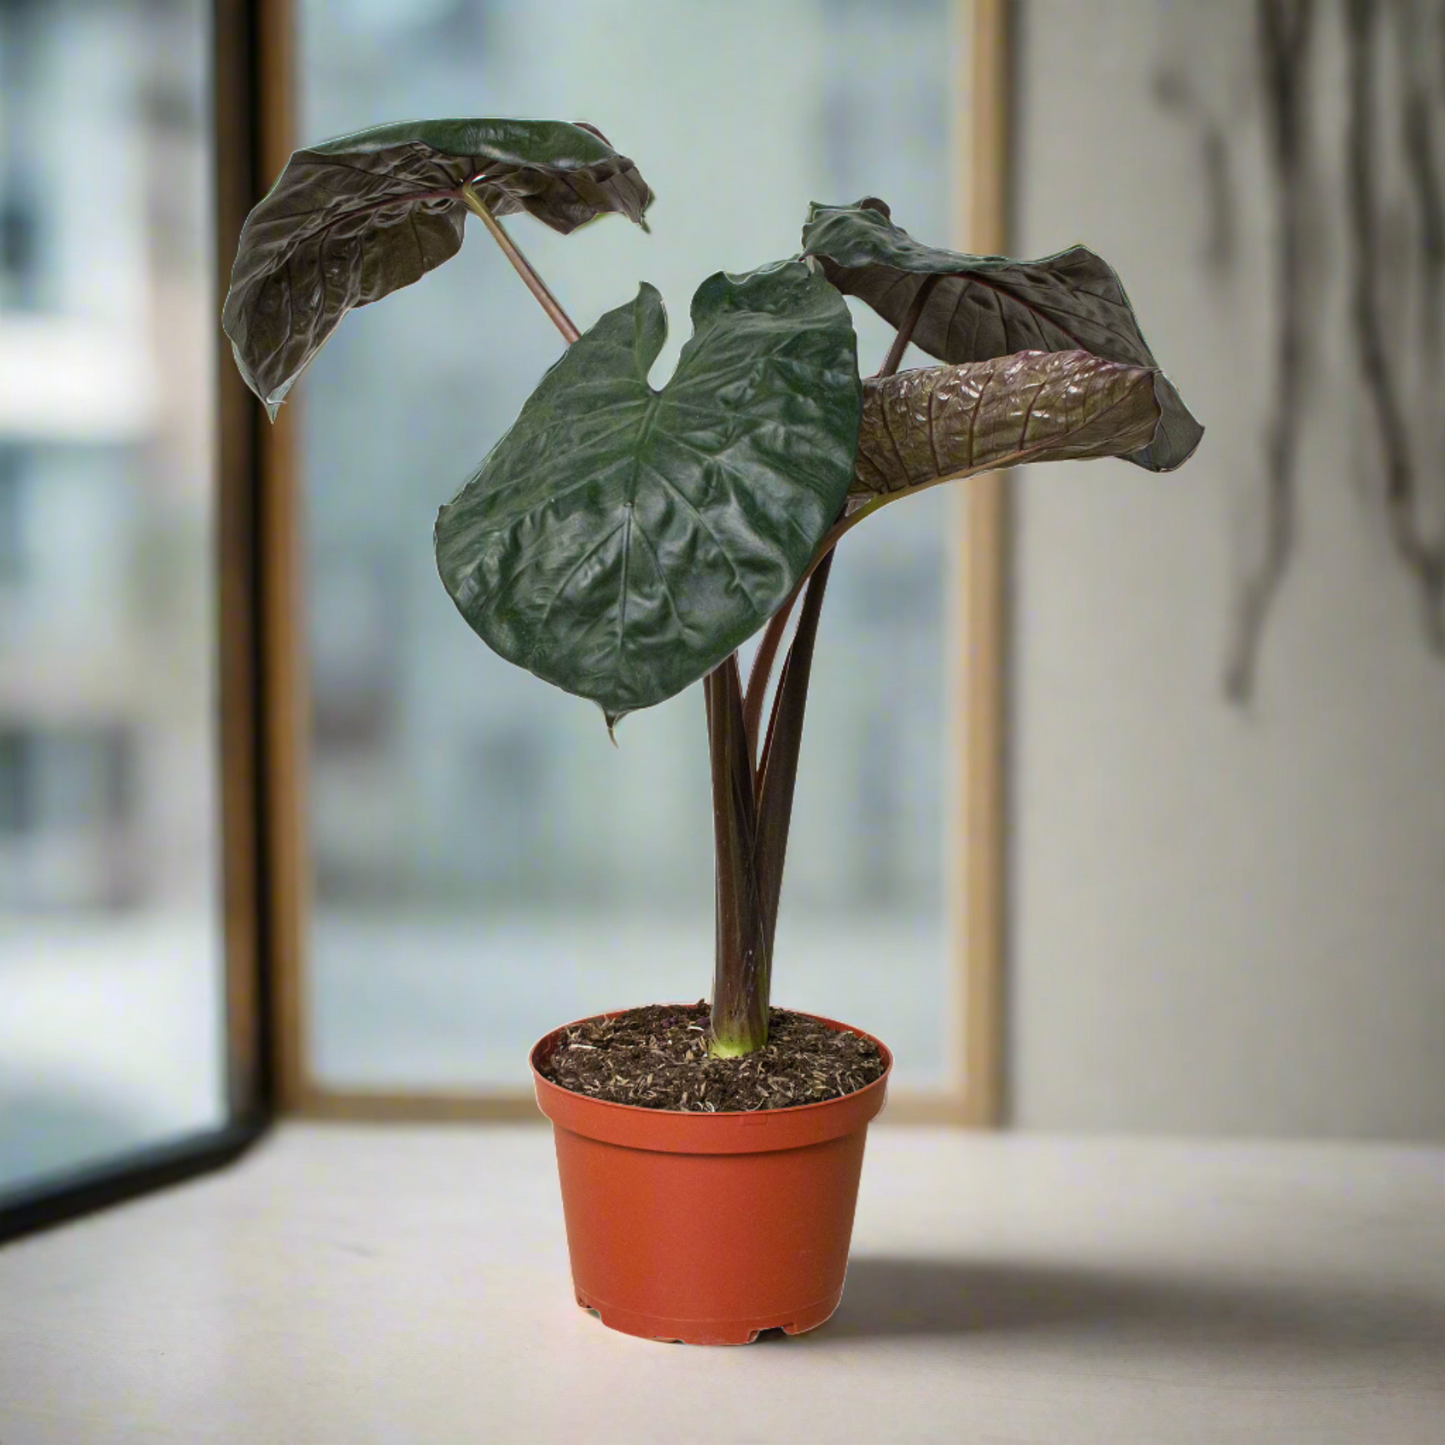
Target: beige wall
x: 1221, y: 921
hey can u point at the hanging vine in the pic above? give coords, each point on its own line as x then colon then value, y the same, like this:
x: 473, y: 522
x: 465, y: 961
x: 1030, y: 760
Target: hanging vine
x: 1424, y: 560
x: 1175, y: 91
x: 1421, y: 101
x: 1285, y: 31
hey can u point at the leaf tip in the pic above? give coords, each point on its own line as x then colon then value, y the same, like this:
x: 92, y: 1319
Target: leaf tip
x: 592, y: 130
x: 612, y: 719
x: 1177, y: 434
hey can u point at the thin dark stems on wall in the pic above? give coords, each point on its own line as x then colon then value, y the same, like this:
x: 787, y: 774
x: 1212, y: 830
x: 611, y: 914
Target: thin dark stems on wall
x: 1285, y: 31
x: 1285, y: 28
x: 1421, y: 101
x: 1424, y: 560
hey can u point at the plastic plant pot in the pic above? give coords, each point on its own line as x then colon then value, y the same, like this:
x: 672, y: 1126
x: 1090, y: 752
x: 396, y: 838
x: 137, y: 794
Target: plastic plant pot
x: 709, y: 1228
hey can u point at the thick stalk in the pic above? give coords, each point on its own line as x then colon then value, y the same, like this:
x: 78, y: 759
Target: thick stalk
x: 523, y: 267
x: 751, y: 819
x: 762, y: 669
x: 741, y: 966
x: 772, y: 637
x: 778, y: 771
x: 752, y: 799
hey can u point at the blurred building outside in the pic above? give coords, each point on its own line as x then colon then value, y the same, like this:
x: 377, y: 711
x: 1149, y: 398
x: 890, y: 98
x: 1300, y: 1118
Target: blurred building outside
x: 482, y: 857
x: 486, y: 864
x: 109, y: 945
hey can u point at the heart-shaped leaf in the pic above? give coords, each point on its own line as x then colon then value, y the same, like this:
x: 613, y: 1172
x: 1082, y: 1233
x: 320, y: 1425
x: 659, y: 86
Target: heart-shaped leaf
x: 942, y: 422
x: 980, y: 307
x: 620, y: 541
x: 357, y: 218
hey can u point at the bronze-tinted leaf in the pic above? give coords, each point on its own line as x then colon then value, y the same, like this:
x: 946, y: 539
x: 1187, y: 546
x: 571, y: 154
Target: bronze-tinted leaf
x: 356, y: 218
x: 943, y: 422
x: 982, y: 307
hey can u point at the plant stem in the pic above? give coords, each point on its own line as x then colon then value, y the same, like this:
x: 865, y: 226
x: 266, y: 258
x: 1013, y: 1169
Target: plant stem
x: 845, y: 524
x: 751, y: 818
x: 772, y: 637
x: 778, y: 770
x: 752, y: 797
x: 740, y: 971
x: 894, y: 359
x: 762, y: 668
x: 535, y: 284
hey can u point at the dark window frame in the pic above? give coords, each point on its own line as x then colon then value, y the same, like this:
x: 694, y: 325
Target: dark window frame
x: 244, y: 82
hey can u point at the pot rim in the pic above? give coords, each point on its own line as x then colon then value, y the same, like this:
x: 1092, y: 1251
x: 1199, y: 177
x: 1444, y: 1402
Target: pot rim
x: 726, y: 1132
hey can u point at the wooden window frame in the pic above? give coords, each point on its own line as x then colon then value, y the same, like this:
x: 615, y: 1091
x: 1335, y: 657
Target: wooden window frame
x: 975, y: 1097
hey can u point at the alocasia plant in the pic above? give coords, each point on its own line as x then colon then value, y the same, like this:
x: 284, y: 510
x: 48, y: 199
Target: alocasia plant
x: 622, y: 542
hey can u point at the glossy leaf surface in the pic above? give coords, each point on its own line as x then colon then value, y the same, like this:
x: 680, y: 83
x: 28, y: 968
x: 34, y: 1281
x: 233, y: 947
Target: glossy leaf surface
x: 982, y: 307
x: 621, y: 541
x: 359, y: 217
x: 940, y: 422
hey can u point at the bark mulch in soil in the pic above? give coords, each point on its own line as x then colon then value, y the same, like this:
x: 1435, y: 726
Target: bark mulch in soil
x: 656, y: 1057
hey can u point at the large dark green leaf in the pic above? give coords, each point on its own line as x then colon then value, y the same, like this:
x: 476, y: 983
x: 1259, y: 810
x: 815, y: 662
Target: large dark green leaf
x: 942, y: 422
x: 357, y: 218
x: 981, y: 307
x: 621, y: 541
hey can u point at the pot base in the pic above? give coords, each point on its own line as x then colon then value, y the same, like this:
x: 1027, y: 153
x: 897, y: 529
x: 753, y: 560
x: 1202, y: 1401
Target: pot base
x: 708, y: 1228
x: 708, y: 1332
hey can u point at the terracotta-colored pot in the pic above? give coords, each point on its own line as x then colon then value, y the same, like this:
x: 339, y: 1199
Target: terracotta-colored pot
x: 708, y: 1228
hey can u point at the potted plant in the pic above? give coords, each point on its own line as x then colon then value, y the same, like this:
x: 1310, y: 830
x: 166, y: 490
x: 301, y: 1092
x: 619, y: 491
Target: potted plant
x: 623, y: 542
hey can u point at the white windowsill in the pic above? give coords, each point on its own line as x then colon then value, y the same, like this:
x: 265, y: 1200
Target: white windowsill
x: 349, y: 1284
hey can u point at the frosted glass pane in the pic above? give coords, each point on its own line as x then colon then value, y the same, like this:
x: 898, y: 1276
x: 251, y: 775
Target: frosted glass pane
x: 110, y: 942
x: 486, y: 864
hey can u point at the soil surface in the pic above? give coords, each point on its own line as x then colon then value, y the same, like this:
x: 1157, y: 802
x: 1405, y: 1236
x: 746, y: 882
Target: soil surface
x: 656, y: 1057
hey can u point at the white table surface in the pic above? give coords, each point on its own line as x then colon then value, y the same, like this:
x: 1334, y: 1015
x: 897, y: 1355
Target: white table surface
x: 406, y: 1286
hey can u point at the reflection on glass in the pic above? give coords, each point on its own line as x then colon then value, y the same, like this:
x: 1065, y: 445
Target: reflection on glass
x: 486, y: 864
x: 109, y: 942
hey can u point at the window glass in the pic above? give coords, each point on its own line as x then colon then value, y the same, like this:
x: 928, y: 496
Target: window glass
x: 486, y: 864
x: 110, y: 944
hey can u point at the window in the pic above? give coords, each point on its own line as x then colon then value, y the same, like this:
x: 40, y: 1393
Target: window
x: 484, y: 864
x: 113, y: 1030
x: 12, y: 513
